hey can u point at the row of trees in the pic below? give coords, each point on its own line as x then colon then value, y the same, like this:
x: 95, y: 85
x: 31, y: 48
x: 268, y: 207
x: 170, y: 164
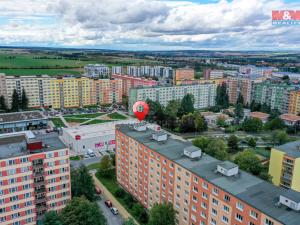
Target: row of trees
x: 18, y: 102
x: 177, y: 115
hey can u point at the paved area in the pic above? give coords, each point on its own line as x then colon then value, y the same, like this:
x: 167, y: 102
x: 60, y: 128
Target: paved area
x: 86, y: 162
x: 107, y: 195
x: 111, y: 218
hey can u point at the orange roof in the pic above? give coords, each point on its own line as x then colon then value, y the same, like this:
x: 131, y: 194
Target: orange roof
x: 259, y: 115
x: 290, y: 117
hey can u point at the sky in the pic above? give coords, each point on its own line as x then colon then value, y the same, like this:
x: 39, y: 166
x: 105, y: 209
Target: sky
x: 147, y: 24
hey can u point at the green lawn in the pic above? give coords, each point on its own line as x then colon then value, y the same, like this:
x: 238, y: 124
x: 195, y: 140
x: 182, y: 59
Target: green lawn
x: 85, y: 116
x: 94, y: 166
x: 51, y: 72
x: 116, y: 116
x: 75, y: 120
x: 57, y: 122
x: 96, y: 121
x: 76, y: 158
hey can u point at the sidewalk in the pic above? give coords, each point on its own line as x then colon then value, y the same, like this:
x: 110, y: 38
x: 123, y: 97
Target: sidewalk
x: 114, y: 201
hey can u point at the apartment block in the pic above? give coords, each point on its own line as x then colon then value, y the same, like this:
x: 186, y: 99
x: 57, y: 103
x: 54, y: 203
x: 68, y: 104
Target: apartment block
x: 97, y: 71
x: 274, y: 94
x: 204, y: 94
x: 294, y: 102
x: 34, y: 177
x: 117, y: 70
x: 62, y: 92
x: 131, y: 82
x: 240, y: 85
x: 285, y: 165
x: 184, y: 74
x: 213, y: 74
x: 157, y: 168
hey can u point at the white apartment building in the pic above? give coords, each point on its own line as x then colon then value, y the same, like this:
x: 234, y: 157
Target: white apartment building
x: 204, y: 94
x: 96, y: 70
x: 116, y: 70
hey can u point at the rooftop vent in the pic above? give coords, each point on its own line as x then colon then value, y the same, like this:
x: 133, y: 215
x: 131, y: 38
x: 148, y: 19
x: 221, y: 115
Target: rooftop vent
x: 290, y: 199
x: 160, y: 136
x: 228, y: 169
x: 140, y: 126
x: 192, y: 152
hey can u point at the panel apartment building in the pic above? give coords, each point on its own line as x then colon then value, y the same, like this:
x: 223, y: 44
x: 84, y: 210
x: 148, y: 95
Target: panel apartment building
x: 62, y: 92
x: 34, y: 177
x: 156, y: 168
x: 204, y: 94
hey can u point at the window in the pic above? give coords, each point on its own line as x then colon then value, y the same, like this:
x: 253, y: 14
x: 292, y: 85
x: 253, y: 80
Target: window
x: 195, y: 189
x: 226, y: 208
x: 239, y: 206
x: 225, y: 219
x: 213, y: 221
x: 203, y: 205
x: 204, y: 195
x: 239, y: 217
x: 253, y: 214
x: 214, y: 212
x: 215, y: 191
x: 196, y: 180
x: 269, y: 222
x: 215, y: 201
x: 227, y: 198
x: 204, y: 185
x: 203, y: 215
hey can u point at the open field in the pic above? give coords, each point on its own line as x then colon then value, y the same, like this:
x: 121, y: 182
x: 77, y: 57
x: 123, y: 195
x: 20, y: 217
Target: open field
x: 116, y: 116
x: 85, y: 116
x: 28, y: 72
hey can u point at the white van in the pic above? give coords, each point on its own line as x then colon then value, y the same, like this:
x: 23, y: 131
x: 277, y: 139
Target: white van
x: 91, y: 153
x: 114, y: 210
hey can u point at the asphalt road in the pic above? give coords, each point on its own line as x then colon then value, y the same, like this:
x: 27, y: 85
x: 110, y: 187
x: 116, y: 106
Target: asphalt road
x: 111, y: 218
x: 86, y: 162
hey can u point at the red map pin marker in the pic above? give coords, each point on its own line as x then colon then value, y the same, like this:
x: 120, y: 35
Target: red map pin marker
x: 140, y: 110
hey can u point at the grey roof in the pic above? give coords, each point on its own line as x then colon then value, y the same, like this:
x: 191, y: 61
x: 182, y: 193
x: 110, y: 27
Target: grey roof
x: 191, y: 149
x: 291, y: 149
x: 291, y: 194
x: 20, y: 116
x: 16, y: 145
x: 228, y: 165
x: 254, y: 191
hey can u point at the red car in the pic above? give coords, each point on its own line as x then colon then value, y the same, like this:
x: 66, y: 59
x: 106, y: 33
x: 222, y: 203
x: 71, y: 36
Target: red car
x: 108, y: 203
x: 98, y: 191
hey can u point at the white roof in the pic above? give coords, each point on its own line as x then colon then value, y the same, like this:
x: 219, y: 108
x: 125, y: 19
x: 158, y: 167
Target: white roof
x: 96, y: 130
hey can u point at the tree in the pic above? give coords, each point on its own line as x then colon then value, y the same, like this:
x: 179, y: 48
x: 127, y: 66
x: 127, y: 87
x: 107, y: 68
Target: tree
x: 52, y: 218
x: 201, y: 142
x: 24, y: 100
x: 221, y: 122
x: 81, y: 211
x: 217, y: 148
x: 252, y: 125
x: 3, y: 106
x: 156, y: 111
x: 222, y: 99
x: 162, y: 214
x: 248, y: 161
x: 239, y: 107
x: 187, y: 123
x: 240, y: 99
x: 129, y: 221
x: 187, y: 105
x: 252, y: 142
x: 279, y: 137
x: 254, y: 106
x: 199, y: 121
x: 105, y: 166
x: 15, y: 104
x: 232, y: 144
x: 82, y: 183
x: 274, y: 124
x: 171, y: 112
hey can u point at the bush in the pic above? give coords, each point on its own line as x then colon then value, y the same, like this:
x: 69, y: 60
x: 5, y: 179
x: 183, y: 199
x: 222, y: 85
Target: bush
x: 120, y: 193
x: 129, y: 201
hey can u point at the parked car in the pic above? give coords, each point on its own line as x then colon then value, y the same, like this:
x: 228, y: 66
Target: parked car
x: 108, y: 203
x: 86, y: 156
x: 114, y: 210
x: 98, y: 191
x: 91, y: 153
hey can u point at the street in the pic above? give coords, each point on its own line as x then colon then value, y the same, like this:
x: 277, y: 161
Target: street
x: 111, y: 218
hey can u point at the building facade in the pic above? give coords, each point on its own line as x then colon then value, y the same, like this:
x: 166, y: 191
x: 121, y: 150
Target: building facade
x: 275, y: 95
x: 285, y: 165
x: 213, y: 74
x: 204, y: 94
x: 155, y: 168
x: 97, y: 71
x: 184, y: 74
x: 34, y: 179
x: 132, y: 82
x: 62, y: 92
x: 294, y: 102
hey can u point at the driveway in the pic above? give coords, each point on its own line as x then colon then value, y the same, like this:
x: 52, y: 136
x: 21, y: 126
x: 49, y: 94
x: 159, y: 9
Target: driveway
x: 111, y: 218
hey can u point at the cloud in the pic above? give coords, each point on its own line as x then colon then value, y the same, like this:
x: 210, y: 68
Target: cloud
x: 148, y: 24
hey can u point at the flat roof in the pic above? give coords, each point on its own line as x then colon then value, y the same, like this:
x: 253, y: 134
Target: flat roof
x: 15, y: 144
x: 96, y: 130
x: 20, y: 116
x: 290, y: 117
x: 259, y: 115
x: 292, y: 149
x: 256, y: 192
x: 228, y: 165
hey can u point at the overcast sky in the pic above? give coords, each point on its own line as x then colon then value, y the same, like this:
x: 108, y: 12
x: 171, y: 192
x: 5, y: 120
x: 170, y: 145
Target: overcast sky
x: 147, y: 24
